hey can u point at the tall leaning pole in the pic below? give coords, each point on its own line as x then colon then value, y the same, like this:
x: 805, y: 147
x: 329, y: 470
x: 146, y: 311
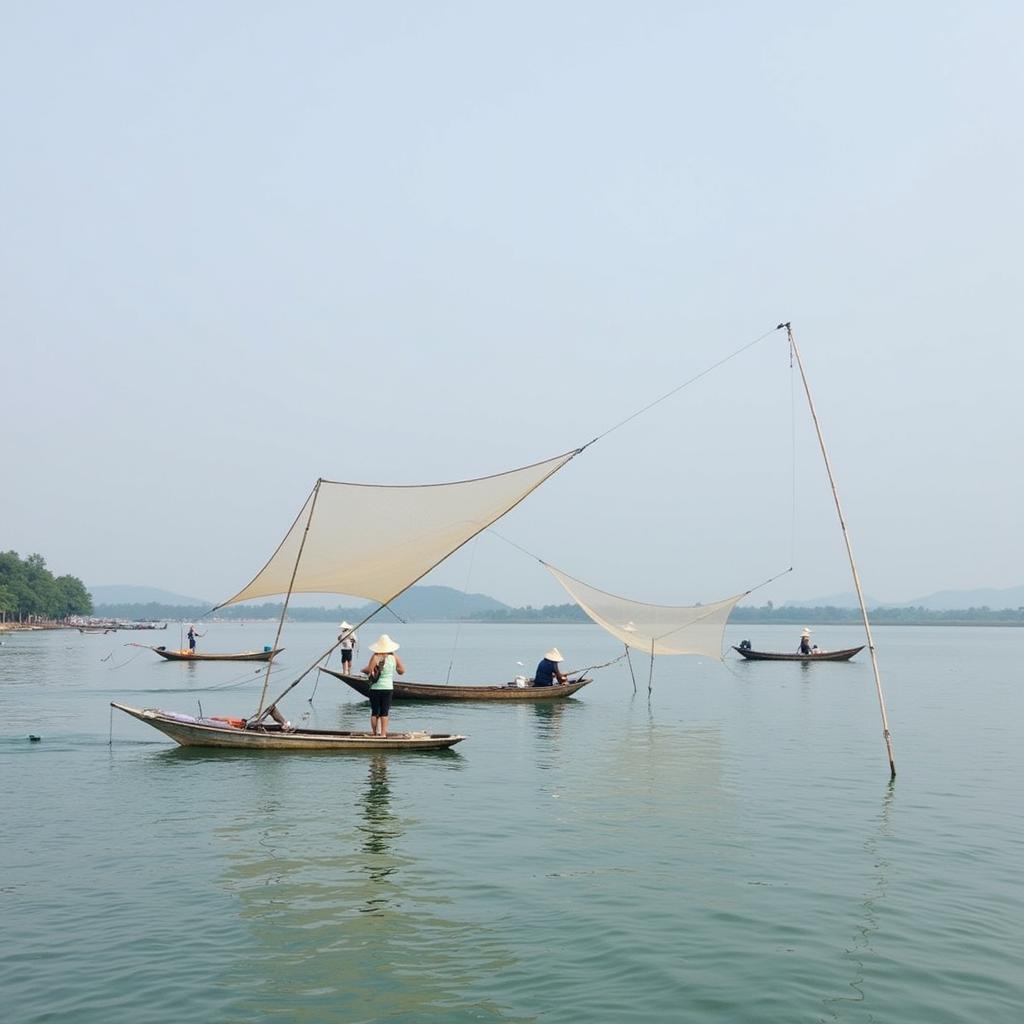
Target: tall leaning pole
x: 887, y: 736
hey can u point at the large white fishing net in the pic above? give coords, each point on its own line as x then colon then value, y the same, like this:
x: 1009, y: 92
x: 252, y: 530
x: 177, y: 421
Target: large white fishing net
x: 654, y: 628
x: 375, y: 541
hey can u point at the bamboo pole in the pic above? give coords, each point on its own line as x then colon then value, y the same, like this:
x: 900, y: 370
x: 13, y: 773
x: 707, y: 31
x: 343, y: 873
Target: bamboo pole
x: 887, y: 736
x: 288, y: 596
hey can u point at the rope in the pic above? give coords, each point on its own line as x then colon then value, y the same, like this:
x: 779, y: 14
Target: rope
x: 122, y: 664
x: 458, y: 624
x: 594, y: 668
x: 679, y: 387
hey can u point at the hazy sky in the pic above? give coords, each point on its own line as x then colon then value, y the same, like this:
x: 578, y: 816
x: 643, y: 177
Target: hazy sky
x: 248, y: 244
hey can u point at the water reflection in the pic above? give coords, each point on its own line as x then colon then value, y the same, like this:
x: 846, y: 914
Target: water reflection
x: 381, y: 830
x: 348, y: 899
x: 875, y: 895
x: 548, y: 715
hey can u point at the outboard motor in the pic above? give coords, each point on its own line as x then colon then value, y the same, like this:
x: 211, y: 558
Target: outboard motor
x: 745, y: 645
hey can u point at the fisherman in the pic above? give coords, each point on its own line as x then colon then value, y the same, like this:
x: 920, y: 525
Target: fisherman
x: 380, y: 670
x: 348, y: 642
x: 547, y: 671
x: 192, y: 635
x: 805, y: 642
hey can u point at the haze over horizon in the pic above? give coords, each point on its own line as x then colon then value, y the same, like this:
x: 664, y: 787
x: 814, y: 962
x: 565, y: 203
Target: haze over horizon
x: 247, y: 247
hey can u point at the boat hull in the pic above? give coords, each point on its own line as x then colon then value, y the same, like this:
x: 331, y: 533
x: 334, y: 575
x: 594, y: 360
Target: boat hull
x: 242, y: 656
x: 843, y: 655
x: 438, y: 691
x: 196, y: 735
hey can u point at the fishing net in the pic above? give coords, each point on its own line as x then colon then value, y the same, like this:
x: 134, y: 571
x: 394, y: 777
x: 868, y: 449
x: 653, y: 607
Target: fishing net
x: 653, y: 628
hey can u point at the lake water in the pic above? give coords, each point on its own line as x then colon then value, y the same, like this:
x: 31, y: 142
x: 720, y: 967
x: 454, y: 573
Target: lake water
x: 728, y: 848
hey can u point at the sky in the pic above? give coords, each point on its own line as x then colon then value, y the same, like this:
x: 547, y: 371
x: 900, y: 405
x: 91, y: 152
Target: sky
x: 247, y: 245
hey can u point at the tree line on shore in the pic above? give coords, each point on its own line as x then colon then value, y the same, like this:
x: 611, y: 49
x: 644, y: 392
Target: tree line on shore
x: 28, y: 590
x: 568, y: 613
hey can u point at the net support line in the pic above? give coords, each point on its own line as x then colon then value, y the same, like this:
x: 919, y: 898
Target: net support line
x: 887, y: 736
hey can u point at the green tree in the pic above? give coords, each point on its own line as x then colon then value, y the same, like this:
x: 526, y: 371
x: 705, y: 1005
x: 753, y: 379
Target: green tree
x: 72, y: 597
x: 7, y: 602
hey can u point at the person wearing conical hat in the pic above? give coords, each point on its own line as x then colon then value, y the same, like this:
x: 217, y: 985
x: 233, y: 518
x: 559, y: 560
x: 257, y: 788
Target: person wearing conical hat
x: 348, y: 642
x: 380, y: 670
x: 547, y: 671
x: 805, y: 642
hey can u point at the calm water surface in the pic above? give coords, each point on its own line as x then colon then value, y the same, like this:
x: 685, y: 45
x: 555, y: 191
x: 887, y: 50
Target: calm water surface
x: 727, y: 848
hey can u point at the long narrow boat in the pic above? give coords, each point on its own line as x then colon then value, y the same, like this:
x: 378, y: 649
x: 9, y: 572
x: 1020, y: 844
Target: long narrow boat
x: 192, y: 732
x: 439, y: 691
x: 843, y: 655
x: 242, y: 656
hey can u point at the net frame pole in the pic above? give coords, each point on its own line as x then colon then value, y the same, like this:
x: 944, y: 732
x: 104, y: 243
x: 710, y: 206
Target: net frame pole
x: 288, y: 596
x: 887, y: 736
x: 629, y: 661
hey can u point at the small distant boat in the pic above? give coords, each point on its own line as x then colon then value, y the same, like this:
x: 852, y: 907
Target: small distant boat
x: 440, y: 691
x: 843, y: 655
x: 97, y: 630
x: 188, y: 731
x: 241, y: 656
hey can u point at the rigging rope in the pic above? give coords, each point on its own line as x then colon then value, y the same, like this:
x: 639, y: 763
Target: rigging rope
x: 679, y: 387
x: 458, y: 625
x: 594, y: 668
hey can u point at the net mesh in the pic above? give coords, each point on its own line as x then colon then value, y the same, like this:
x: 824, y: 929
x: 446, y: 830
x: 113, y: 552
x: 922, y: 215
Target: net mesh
x: 375, y: 541
x: 663, y: 629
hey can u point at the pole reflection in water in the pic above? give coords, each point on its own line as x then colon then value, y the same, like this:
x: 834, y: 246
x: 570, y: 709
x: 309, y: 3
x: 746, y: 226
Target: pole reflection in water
x: 861, y: 947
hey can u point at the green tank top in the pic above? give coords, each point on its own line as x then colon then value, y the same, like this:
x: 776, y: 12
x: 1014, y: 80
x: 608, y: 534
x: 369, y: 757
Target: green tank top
x: 386, y: 679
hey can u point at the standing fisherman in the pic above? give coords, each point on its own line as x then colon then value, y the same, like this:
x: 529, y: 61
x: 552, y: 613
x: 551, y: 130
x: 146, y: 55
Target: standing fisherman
x: 348, y: 642
x: 383, y: 665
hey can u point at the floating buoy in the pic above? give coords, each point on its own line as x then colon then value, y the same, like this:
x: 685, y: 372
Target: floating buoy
x: 34, y: 739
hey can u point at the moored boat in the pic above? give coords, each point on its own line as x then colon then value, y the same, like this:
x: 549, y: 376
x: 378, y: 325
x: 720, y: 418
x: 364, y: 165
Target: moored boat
x: 241, y: 656
x: 441, y: 691
x: 844, y: 655
x: 188, y: 731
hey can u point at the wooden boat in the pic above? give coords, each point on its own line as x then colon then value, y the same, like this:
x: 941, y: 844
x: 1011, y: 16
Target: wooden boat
x: 843, y: 655
x: 439, y: 691
x: 97, y: 630
x: 242, y: 656
x: 207, y: 733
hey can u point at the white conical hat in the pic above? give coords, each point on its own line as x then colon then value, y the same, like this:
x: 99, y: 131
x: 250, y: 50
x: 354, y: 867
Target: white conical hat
x: 344, y: 625
x: 554, y: 655
x: 806, y: 632
x: 384, y: 645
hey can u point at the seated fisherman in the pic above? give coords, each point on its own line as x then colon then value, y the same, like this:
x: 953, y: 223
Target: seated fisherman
x: 805, y: 642
x: 547, y: 671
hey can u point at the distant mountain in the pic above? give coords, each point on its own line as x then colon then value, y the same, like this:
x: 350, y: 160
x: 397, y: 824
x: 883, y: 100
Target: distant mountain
x: 442, y: 603
x: 941, y: 601
x: 987, y: 597
x: 416, y: 605
x: 124, y: 594
x: 833, y: 601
